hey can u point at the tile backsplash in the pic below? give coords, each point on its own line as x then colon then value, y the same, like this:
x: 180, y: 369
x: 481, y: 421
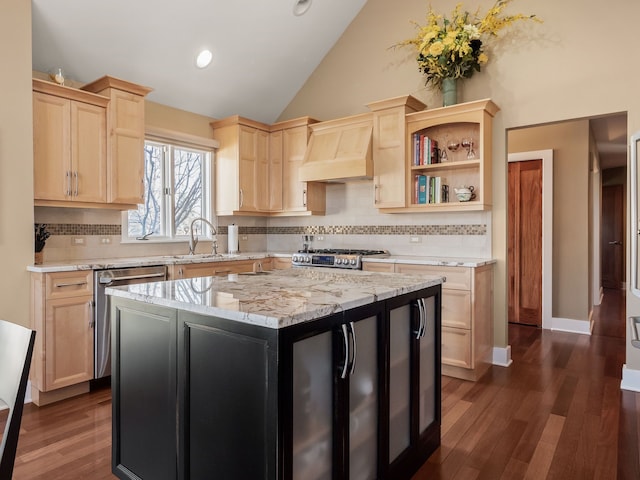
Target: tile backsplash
x: 351, y: 221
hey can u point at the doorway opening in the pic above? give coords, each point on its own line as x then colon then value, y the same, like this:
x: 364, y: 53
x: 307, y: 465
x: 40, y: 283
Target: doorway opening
x: 586, y: 155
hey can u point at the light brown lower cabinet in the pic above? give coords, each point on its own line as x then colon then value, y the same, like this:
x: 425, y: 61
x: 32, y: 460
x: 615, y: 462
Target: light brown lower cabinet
x: 62, y: 314
x: 467, y: 315
x: 192, y: 270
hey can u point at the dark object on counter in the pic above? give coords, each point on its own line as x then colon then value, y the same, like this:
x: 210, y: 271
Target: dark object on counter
x: 41, y: 236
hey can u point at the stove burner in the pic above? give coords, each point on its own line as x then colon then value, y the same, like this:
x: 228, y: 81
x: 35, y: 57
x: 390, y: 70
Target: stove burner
x: 343, y: 251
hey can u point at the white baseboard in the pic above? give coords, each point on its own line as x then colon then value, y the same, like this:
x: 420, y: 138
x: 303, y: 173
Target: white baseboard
x: 27, y: 395
x: 502, y: 356
x: 630, y: 379
x: 571, y: 325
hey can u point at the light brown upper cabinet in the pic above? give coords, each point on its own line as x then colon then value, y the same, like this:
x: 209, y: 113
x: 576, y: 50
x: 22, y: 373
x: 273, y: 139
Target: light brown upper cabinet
x: 242, y: 166
x: 463, y: 134
x: 298, y: 197
x: 69, y: 145
x: 125, y: 138
x: 389, y: 149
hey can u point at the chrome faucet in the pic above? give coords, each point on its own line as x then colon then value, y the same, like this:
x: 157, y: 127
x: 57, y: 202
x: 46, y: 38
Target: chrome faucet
x: 193, y: 241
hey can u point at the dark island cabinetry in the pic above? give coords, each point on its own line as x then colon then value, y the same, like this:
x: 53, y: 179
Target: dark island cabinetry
x: 354, y: 395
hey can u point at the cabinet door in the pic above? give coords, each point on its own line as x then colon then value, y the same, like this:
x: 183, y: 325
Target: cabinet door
x: 313, y: 378
x: 144, y: 390
x: 275, y: 171
x: 68, y: 341
x: 388, y: 158
x: 88, y: 153
x: 217, y: 444
x: 414, y: 381
x: 262, y: 171
x: 51, y: 147
x: 125, y: 163
x: 248, y: 153
x: 336, y: 379
x: 363, y: 401
x: 294, y: 146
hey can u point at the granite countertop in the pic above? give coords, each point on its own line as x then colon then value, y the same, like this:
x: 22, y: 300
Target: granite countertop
x: 279, y: 298
x: 436, y: 261
x: 102, y: 263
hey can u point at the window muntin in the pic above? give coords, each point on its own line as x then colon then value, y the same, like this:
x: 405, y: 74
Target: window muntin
x: 177, y: 183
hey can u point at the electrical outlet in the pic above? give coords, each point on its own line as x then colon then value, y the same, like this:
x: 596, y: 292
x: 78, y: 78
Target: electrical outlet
x: 77, y: 241
x: 105, y: 240
x: 415, y: 240
x: 244, y: 237
x: 320, y: 238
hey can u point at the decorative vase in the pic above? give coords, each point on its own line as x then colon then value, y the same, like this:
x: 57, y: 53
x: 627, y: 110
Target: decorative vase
x: 38, y: 258
x: 449, y: 91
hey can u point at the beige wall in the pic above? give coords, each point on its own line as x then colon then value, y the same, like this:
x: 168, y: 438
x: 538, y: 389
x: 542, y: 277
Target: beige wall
x: 162, y: 116
x: 16, y: 160
x: 554, y: 71
x: 571, y: 253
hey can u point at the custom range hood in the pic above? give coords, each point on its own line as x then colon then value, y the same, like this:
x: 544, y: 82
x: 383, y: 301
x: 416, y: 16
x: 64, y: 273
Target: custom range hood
x: 339, y: 150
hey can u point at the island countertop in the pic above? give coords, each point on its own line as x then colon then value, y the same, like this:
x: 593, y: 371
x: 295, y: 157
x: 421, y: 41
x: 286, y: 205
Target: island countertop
x: 278, y: 298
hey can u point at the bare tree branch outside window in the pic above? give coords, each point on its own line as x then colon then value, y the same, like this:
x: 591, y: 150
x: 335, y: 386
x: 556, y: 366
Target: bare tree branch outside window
x: 180, y: 171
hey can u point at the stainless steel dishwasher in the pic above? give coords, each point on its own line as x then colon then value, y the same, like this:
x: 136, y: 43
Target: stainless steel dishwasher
x: 102, y: 332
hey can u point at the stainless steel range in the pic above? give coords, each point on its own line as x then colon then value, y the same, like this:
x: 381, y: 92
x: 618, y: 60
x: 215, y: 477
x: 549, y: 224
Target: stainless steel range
x: 334, y: 257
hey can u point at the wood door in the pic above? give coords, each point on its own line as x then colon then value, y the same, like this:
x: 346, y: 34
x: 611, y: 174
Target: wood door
x: 612, y: 236
x: 68, y: 341
x: 88, y: 152
x: 126, y: 148
x: 51, y: 147
x: 294, y: 146
x: 275, y: 171
x: 248, y: 153
x: 525, y: 242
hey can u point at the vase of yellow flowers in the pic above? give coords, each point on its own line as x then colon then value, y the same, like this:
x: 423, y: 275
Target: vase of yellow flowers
x: 450, y: 48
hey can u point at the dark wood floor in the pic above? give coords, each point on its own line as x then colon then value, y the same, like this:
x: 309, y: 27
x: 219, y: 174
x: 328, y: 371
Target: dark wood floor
x: 556, y: 413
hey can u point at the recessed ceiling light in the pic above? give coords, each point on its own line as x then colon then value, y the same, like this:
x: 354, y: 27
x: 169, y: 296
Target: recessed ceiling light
x: 204, y: 58
x: 300, y: 7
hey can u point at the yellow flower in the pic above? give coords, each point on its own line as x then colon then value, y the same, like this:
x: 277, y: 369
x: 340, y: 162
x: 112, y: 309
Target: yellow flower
x: 455, y: 46
x: 436, y: 49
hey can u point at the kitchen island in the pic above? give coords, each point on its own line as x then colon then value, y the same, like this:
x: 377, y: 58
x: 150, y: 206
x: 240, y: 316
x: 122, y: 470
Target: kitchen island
x: 292, y: 374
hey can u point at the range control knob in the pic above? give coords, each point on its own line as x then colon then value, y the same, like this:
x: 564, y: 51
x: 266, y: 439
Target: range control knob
x: 307, y: 259
x: 353, y: 261
x: 338, y: 261
x: 294, y: 258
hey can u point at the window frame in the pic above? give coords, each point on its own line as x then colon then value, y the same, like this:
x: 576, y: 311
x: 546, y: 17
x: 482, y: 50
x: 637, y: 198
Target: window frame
x: 183, y: 141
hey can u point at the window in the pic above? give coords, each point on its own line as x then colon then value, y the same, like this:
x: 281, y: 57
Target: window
x: 177, y: 190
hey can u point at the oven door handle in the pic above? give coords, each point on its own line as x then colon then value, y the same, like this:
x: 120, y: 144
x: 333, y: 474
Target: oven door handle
x: 110, y: 280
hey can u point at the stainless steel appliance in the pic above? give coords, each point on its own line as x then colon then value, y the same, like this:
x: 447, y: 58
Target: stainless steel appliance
x: 334, y: 257
x: 102, y: 331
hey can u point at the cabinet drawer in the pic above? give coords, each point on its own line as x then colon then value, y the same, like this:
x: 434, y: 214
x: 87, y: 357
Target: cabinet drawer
x: 456, y: 347
x: 378, y: 267
x: 457, y: 278
x: 456, y: 308
x: 69, y: 284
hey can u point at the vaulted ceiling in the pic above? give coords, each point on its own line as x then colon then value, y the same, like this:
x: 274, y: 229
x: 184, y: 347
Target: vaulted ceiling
x: 262, y: 52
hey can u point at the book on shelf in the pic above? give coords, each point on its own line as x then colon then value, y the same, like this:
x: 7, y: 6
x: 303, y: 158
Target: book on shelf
x: 430, y: 190
x: 425, y: 150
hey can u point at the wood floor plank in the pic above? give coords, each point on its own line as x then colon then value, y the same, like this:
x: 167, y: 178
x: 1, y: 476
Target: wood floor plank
x: 543, y: 455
